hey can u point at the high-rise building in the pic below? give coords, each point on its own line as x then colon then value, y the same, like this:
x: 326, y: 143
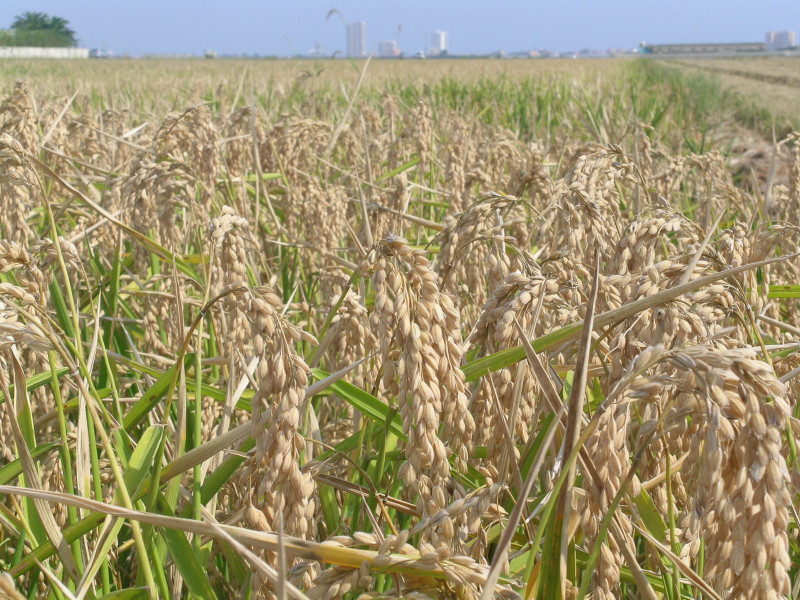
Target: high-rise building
x: 357, y: 39
x: 439, y: 42
x: 779, y: 40
x: 388, y: 49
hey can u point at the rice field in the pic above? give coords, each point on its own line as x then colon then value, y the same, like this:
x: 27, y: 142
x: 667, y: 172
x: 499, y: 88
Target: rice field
x: 444, y: 329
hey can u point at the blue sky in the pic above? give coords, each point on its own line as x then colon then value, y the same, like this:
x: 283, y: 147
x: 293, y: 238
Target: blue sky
x: 281, y: 28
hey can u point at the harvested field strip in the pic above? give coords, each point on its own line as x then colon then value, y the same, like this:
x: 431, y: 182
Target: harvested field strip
x: 760, y: 100
x: 757, y: 76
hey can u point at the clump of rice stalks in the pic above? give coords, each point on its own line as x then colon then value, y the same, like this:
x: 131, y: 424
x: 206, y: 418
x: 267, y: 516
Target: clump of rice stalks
x: 244, y: 124
x: 423, y: 135
x: 294, y: 145
x: 585, y: 207
x: 651, y: 238
x: 229, y: 236
x: 390, y: 222
x: 736, y: 474
x: 191, y: 137
x: 715, y: 186
x: 351, y: 340
x: 20, y: 327
x: 18, y: 118
x: 316, y: 217
x: 419, y: 332
x: 279, y: 492
x: 473, y: 254
x: 158, y: 200
x: 17, y: 190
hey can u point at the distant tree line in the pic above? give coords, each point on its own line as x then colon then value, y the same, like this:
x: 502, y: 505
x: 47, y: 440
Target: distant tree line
x: 38, y: 29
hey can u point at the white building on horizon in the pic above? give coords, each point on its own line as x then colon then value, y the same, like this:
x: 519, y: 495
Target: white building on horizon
x: 780, y: 40
x: 357, y: 39
x: 42, y: 52
x: 438, y: 42
x: 388, y: 49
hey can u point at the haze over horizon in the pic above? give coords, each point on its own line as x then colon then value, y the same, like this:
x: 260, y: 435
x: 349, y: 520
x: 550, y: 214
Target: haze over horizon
x: 474, y: 27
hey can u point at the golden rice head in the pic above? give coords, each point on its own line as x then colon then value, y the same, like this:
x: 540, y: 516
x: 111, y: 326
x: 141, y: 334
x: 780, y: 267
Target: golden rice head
x: 737, y: 474
x: 191, y: 137
x: 18, y: 118
x: 18, y: 190
x: 419, y: 332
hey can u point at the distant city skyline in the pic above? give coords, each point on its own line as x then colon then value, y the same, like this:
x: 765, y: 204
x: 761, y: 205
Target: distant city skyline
x: 473, y: 26
x: 357, y: 39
